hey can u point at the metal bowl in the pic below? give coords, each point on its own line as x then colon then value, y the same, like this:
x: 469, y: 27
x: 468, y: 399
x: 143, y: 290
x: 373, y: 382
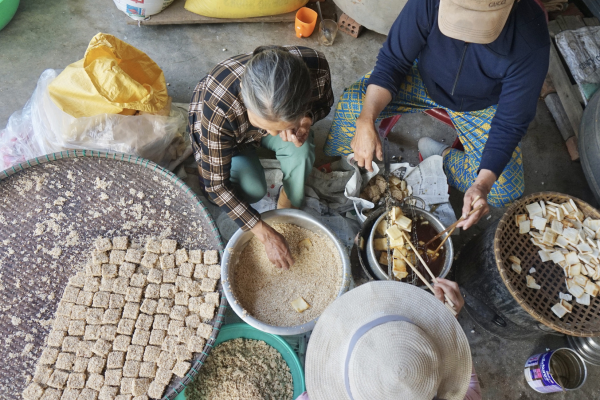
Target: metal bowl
x: 587, y: 347
x: 437, y: 225
x: 238, y: 242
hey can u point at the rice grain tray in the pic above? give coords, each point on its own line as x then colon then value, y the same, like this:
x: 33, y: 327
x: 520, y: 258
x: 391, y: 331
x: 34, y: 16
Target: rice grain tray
x: 266, y: 292
x: 52, y: 208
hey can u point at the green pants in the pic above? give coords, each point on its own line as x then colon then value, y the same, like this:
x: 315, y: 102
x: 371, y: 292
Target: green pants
x: 248, y: 175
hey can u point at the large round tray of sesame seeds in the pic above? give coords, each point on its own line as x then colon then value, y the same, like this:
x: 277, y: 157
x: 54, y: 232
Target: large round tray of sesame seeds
x: 51, y: 210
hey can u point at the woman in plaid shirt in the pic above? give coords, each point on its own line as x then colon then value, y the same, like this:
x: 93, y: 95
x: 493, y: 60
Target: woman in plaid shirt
x: 268, y: 98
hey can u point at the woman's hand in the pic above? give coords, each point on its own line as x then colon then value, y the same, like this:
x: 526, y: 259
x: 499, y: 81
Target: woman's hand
x: 449, y: 288
x: 299, y: 135
x: 366, y: 144
x: 276, y: 247
x: 481, y: 187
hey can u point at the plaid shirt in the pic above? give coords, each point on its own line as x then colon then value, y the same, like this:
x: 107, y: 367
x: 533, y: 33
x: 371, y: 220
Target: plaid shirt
x: 219, y: 125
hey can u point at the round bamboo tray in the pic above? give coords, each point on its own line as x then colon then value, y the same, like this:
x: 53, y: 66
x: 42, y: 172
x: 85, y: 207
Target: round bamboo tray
x: 584, y: 321
x: 51, y: 210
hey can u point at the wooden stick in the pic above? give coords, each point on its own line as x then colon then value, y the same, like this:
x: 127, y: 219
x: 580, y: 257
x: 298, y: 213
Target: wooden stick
x: 419, y: 256
x: 416, y: 271
x: 453, y: 225
x: 448, y: 303
x: 444, y: 241
x: 433, y: 278
x: 475, y: 200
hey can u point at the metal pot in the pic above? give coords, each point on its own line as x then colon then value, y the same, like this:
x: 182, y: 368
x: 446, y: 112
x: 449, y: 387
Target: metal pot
x: 238, y: 242
x: 587, y: 347
x: 380, y: 272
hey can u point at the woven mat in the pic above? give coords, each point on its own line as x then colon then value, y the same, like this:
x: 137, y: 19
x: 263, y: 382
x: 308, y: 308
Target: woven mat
x: 584, y: 320
x: 51, y: 210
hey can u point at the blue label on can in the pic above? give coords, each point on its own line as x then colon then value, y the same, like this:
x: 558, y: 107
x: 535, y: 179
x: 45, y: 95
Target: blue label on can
x: 537, y: 374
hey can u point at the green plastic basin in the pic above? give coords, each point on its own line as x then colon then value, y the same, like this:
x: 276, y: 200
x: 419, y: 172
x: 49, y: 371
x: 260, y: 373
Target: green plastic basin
x: 8, y: 8
x: 245, y: 331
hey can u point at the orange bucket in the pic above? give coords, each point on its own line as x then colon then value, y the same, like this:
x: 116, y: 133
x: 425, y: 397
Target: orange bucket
x: 306, y: 20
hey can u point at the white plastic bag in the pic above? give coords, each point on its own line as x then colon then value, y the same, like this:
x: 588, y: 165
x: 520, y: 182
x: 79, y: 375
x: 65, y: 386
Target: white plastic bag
x: 427, y: 181
x: 140, y: 10
x: 42, y: 128
x: 581, y: 50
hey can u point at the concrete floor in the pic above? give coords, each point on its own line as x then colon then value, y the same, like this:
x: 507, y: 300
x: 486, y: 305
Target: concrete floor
x: 53, y: 34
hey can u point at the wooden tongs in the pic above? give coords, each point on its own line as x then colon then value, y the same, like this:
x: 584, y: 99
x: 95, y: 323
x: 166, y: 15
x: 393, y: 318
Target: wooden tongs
x: 452, y: 227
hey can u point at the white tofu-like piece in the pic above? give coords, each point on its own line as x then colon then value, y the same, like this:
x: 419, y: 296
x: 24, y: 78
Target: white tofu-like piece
x: 201, y: 271
x: 544, y: 256
x: 571, y: 235
x: 549, y: 237
x: 572, y: 258
x: 559, y: 310
x: 534, y: 209
x: 179, y: 312
x: 575, y: 290
x: 214, y: 271
x: 140, y: 337
x: 208, y: 285
x: 138, y: 280
x: 182, y: 298
x: 122, y: 343
x: 591, y: 288
x: 182, y: 353
x: 115, y: 359
x: 161, y: 322
x: 557, y: 257
x: 584, y: 248
x: 557, y: 227
x: 165, y: 306
x: 531, y: 283
x: 151, y: 353
x: 515, y: 267
x: 532, y: 270
x: 524, y: 227
x: 152, y: 291
x: 539, y: 223
x: 204, y: 330
x: 193, y: 321
x: 584, y: 299
x: 580, y: 280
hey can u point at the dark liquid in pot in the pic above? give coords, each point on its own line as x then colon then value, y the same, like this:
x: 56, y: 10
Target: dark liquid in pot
x: 425, y: 231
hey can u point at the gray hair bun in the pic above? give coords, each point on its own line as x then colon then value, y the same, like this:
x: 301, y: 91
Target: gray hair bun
x: 276, y: 84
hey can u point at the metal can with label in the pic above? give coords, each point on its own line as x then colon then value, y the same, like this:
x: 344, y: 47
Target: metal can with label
x: 555, y: 371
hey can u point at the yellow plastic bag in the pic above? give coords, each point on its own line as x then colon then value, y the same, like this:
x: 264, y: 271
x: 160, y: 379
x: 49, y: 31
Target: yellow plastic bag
x: 242, y: 8
x: 112, y: 78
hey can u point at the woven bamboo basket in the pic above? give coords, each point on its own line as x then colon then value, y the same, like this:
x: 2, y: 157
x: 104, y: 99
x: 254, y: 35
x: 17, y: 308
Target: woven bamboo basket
x: 28, y: 295
x: 584, y: 321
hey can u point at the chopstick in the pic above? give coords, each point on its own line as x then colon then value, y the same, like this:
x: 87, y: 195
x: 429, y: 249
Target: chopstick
x: 433, y: 278
x: 444, y: 241
x: 449, y: 303
x: 453, y: 226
